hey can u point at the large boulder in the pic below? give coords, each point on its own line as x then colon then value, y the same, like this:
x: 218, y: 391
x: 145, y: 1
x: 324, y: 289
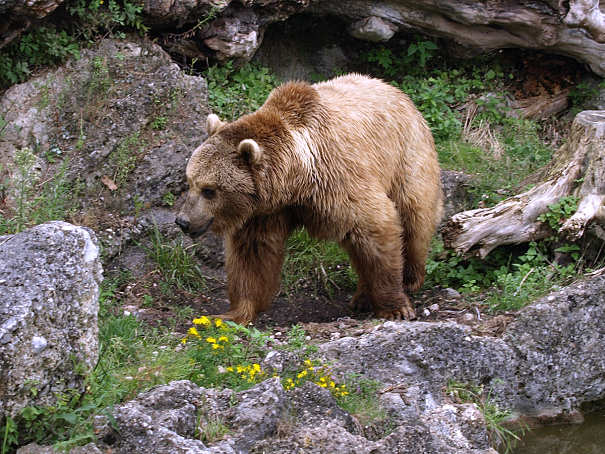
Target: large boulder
x: 546, y: 364
x: 49, y: 282
x: 120, y: 122
x: 266, y: 418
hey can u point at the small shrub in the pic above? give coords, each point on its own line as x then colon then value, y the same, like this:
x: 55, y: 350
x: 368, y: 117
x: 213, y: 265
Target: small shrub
x: 235, y: 92
x: 30, y: 201
x: 43, y: 46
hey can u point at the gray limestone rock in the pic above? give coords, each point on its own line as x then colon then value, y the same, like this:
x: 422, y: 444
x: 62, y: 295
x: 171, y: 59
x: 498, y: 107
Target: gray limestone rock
x: 49, y: 282
x: 123, y: 120
x: 372, y: 29
x: 559, y: 342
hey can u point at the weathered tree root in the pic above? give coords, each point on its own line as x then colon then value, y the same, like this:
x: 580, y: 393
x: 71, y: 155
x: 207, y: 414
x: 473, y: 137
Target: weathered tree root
x: 578, y: 169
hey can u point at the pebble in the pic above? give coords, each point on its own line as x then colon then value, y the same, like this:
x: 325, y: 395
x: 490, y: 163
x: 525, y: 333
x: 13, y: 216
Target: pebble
x: 450, y: 293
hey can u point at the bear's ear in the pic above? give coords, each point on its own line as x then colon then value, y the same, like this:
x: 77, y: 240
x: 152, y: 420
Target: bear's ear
x: 250, y: 151
x: 213, y: 124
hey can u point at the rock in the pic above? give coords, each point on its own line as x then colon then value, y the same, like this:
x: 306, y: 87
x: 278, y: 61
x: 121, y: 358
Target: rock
x: 235, y: 35
x: 427, y: 355
x: 49, y: 282
x: 451, y: 294
x: 160, y: 421
x: 559, y: 339
x: 117, y: 112
x: 235, y: 29
x: 372, y: 29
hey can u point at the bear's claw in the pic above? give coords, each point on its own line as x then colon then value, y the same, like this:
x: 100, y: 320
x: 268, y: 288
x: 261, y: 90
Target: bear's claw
x: 401, y: 313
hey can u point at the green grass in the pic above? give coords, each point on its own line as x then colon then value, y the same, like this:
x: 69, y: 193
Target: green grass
x: 31, y: 199
x: 321, y: 262
x: 495, y: 417
x: 176, y: 263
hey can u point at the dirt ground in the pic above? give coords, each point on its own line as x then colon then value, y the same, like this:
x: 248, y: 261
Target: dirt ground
x: 324, y: 317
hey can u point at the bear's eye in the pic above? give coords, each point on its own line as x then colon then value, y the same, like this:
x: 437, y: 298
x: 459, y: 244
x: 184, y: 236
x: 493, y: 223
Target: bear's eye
x: 208, y: 193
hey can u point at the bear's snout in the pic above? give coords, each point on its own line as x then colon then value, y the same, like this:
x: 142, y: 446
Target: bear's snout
x: 182, y: 223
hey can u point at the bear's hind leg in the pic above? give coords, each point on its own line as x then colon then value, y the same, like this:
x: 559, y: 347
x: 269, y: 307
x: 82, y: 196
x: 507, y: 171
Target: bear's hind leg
x: 416, y: 239
x: 254, y: 258
x: 361, y: 301
x: 375, y: 251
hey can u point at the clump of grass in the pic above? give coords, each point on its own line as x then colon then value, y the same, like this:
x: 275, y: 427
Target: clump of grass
x: 323, y: 262
x: 30, y: 199
x: 495, y: 417
x: 176, y: 263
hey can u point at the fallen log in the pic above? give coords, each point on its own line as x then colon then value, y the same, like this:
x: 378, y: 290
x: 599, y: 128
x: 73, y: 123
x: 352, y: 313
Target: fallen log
x: 577, y: 169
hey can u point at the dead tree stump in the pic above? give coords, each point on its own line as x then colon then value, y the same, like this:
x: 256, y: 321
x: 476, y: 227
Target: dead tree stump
x: 577, y: 169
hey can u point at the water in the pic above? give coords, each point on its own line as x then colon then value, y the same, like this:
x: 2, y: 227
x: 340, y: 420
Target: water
x: 585, y: 438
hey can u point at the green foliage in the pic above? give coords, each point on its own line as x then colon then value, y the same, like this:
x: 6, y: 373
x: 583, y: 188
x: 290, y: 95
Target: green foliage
x: 97, y: 18
x: 235, y: 92
x: 100, y: 80
x: 225, y: 353
x: 495, y: 417
x: 361, y: 400
x: 559, y: 212
x: 511, y: 279
x: 212, y: 430
x: 323, y: 261
x: 583, y: 93
x: 176, y: 263
x: 168, y: 199
x: 10, y: 435
x: 50, y: 45
x: 43, y: 46
x: 159, y: 123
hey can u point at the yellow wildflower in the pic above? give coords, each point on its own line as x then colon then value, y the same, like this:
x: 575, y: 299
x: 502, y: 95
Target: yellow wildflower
x: 229, y: 369
x: 223, y: 339
x: 211, y: 340
x: 194, y: 332
x: 218, y: 323
x: 215, y: 346
x: 256, y: 367
x: 203, y: 320
x: 184, y: 340
x: 302, y: 374
x: 308, y: 362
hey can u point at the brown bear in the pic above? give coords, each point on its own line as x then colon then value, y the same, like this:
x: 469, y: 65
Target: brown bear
x: 350, y: 159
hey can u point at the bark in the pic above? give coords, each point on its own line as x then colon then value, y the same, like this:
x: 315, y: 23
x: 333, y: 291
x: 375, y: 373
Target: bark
x: 578, y: 169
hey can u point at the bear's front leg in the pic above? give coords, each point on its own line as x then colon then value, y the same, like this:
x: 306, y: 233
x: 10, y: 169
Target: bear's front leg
x: 254, y: 258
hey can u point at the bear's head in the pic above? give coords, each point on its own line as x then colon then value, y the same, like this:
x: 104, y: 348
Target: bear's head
x: 221, y: 192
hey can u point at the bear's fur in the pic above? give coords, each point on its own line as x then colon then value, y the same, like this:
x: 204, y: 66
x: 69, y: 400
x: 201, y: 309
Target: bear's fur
x: 350, y: 159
